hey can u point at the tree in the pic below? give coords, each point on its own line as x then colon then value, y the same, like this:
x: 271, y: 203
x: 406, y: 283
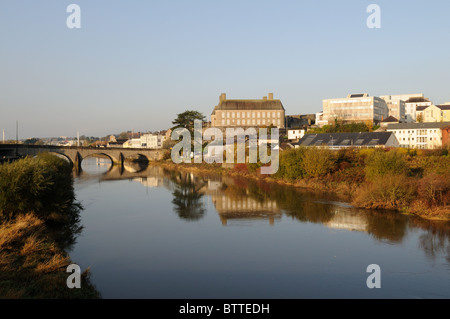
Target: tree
x: 420, y: 118
x: 123, y: 135
x: 186, y: 120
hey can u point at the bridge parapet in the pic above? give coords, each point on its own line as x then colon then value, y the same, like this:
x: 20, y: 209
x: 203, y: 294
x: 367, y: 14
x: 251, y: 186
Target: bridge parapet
x: 76, y: 154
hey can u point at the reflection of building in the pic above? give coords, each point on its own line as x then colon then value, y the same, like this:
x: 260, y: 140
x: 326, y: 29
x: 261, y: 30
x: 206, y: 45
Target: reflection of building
x: 150, y: 181
x: 245, y: 208
x: 348, y: 220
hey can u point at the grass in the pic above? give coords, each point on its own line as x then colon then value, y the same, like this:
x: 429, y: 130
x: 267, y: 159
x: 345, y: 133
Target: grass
x: 32, y: 265
x: 39, y: 221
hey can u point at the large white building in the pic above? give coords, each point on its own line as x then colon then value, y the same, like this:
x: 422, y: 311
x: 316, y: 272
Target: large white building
x: 147, y: 140
x: 418, y: 135
x: 396, y: 106
x: 412, y: 104
x: 355, y: 108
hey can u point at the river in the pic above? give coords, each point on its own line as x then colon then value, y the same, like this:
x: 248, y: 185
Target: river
x: 153, y: 233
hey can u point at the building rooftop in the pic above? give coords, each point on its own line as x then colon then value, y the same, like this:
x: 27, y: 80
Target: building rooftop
x: 417, y: 100
x: 421, y: 108
x: 390, y: 119
x: 345, y: 139
x: 266, y: 103
x: 401, y: 126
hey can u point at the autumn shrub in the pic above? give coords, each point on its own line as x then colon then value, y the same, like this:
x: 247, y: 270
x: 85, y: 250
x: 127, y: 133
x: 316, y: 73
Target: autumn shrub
x: 380, y: 163
x: 241, y: 168
x: 317, y: 162
x: 290, y: 164
x: 434, y: 189
x: 431, y: 164
x: 386, y: 192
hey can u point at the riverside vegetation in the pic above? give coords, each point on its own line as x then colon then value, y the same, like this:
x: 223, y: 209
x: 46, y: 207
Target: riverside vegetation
x: 39, y: 222
x: 409, y: 181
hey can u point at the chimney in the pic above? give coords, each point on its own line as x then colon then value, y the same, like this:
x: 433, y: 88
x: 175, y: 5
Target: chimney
x: 222, y: 97
x: 270, y: 96
x: 264, y: 98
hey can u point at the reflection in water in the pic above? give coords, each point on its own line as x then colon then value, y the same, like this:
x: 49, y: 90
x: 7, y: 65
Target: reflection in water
x: 187, y: 195
x: 240, y: 200
x: 97, y: 165
x: 436, y: 240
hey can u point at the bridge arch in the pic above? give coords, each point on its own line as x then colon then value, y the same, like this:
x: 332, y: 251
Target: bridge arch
x: 137, y: 157
x: 64, y: 156
x: 92, y: 155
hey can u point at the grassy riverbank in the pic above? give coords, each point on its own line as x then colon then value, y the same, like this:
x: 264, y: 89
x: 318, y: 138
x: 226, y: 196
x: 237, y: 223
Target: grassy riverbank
x: 39, y: 221
x: 412, y: 182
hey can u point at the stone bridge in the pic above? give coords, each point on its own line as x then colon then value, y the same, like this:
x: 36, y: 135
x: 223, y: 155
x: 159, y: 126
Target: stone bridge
x: 75, y: 155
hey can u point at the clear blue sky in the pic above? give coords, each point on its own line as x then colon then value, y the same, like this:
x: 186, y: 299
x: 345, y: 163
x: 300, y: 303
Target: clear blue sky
x: 134, y: 65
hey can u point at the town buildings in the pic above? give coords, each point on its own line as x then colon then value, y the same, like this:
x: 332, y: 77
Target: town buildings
x: 295, y: 134
x: 147, y: 140
x: 412, y: 104
x: 396, y: 106
x: 355, y: 108
x: 419, y: 135
x: 445, y: 136
x: 248, y: 113
x: 433, y: 113
x: 347, y: 140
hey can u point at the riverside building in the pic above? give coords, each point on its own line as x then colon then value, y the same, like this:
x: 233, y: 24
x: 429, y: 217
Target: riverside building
x: 248, y: 113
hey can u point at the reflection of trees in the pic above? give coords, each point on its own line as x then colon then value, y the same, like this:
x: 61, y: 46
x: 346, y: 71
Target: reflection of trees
x: 187, y: 196
x: 436, y: 240
x: 66, y: 230
x: 386, y: 225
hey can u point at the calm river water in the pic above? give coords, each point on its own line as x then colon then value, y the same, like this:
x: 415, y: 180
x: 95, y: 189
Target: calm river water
x: 162, y: 234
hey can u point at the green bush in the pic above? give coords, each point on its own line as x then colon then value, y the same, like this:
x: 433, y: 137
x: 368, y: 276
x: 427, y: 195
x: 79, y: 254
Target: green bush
x: 290, y: 164
x: 42, y: 185
x: 317, y: 161
x: 380, y: 163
